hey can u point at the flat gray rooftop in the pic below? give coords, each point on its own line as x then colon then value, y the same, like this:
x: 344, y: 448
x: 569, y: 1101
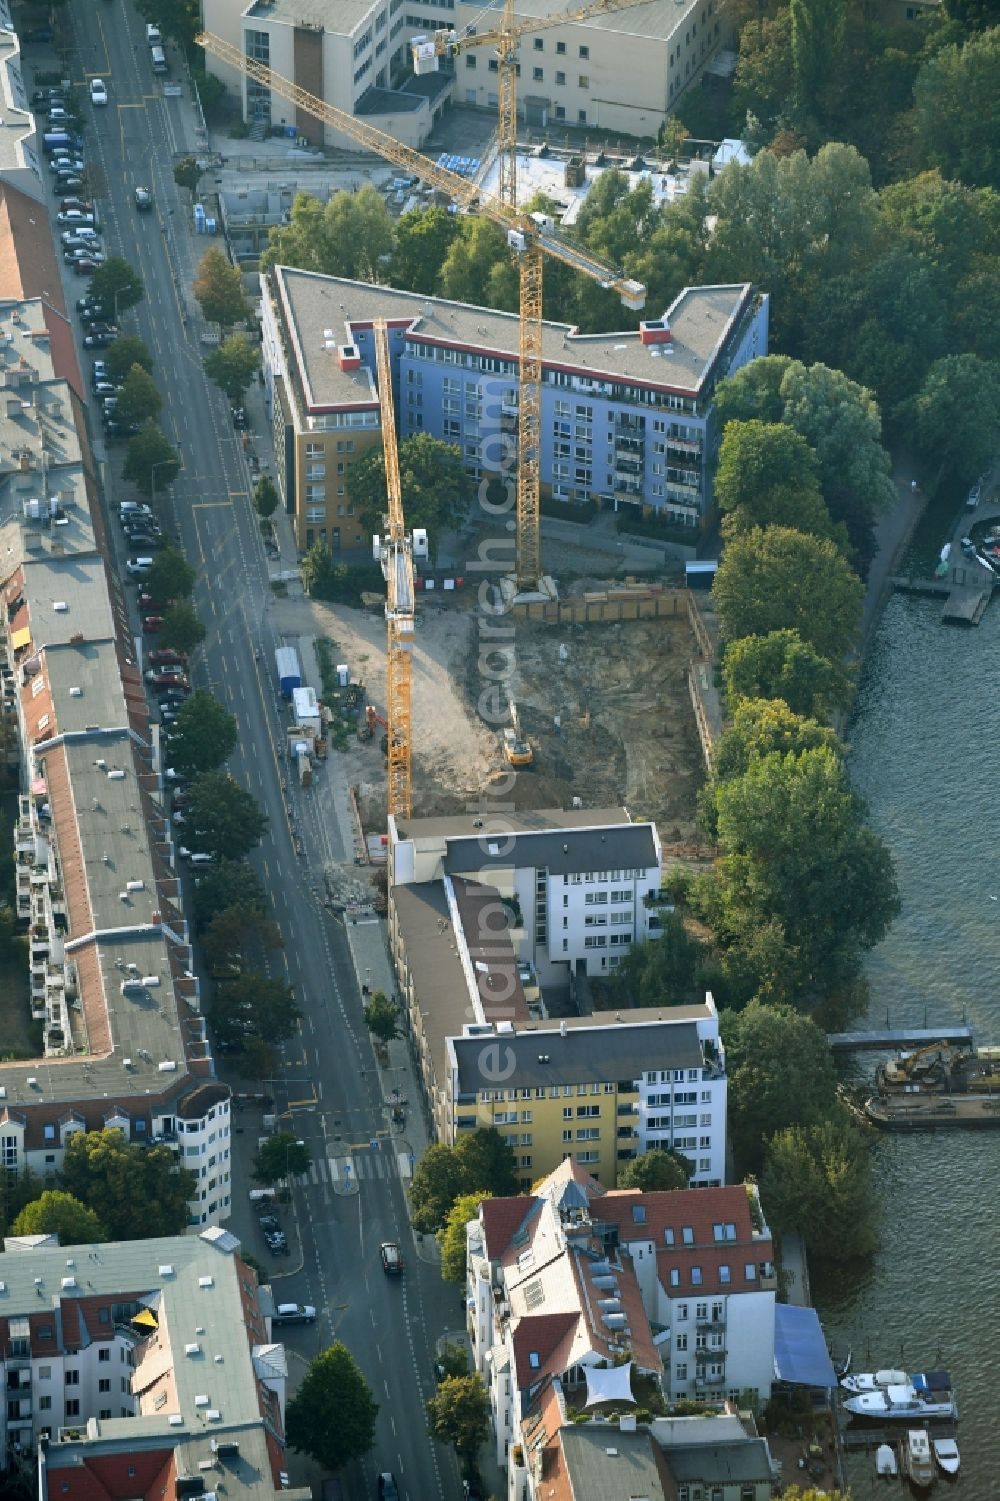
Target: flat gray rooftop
x: 608, y: 1465
x: 700, y: 319
x: 585, y: 1055
x: 660, y: 19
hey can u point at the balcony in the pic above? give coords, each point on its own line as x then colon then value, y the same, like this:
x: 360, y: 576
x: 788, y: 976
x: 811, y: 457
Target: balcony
x: 714, y: 1323
x: 626, y: 1133
x: 686, y: 445
x: 713, y: 1353
x: 629, y: 426
x: 709, y: 1381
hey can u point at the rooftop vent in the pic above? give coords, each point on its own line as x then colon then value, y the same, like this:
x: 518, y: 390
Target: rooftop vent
x: 213, y: 1415
x: 76, y: 693
x: 201, y: 1400
x: 168, y: 1066
x: 166, y: 1270
x: 206, y: 1281
x: 117, y: 775
x: 67, y: 1283
x: 193, y: 1349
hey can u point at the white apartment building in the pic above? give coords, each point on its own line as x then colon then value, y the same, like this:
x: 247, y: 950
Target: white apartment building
x: 122, y: 1360
x: 574, y: 1276
x: 578, y: 879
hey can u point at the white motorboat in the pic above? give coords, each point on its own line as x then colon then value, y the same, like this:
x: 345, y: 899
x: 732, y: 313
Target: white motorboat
x: 885, y: 1460
x: 871, y: 1381
x: 946, y: 1454
x: 917, y: 1461
x: 904, y: 1403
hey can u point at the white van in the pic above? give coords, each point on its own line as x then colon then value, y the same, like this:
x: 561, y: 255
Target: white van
x: 138, y: 568
x: 159, y: 59
x: 153, y: 37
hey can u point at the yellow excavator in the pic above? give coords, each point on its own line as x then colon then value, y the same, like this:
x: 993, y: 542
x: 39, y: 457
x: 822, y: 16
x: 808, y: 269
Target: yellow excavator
x: 926, y: 1066
x: 517, y: 751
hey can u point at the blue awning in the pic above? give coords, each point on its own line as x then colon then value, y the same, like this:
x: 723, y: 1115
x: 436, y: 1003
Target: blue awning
x: 800, y: 1354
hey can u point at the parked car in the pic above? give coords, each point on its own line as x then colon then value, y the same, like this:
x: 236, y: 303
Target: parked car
x: 166, y: 655
x: 267, y: 1221
x: 65, y: 162
x: 88, y: 265
x: 148, y: 541
x: 99, y: 370
x: 76, y: 216
x: 91, y: 304
x: 163, y: 684
x: 152, y: 624
x: 105, y: 388
x: 83, y: 204
x: 115, y: 429
x: 155, y: 606
x: 97, y: 341
x: 98, y: 91
x: 239, y: 417
x: 392, y: 1258
x: 165, y: 675
x: 42, y: 98
x: 68, y: 182
x: 82, y: 230
x: 143, y: 200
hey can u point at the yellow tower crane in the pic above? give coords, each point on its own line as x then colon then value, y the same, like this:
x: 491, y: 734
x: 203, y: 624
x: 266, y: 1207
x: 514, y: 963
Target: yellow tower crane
x: 505, y: 40
x: 530, y: 236
x: 395, y: 552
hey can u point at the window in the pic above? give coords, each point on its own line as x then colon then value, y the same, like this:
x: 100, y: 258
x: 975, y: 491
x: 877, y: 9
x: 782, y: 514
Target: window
x: 696, y: 1276
x: 681, y: 1342
x: 724, y: 1274
x: 45, y: 1404
x: 538, y: 75
x: 682, y: 1372
x: 581, y: 116
x: 567, y: 1112
x: 750, y: 1271
x: 668, y: 1236
x: 584, y: 51
x: 72, y: 1378
x: 675, y: 1277
x: 104, y: 1353
x: 73, y: 1407
x: 45, y: 1373
x: 104, y: 1385
x: 687, y: 1235
x: 560, y: 78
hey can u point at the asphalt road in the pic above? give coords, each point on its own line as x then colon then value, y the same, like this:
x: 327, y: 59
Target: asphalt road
x: 329, y: 1087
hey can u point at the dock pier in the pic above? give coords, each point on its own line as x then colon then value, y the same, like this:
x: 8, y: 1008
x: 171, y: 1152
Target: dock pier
x: 967, y: 587
x: 899, y: 1040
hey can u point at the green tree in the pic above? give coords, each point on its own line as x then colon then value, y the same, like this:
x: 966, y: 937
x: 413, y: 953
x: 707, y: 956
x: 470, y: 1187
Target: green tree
x: 451, y: 1236
x: 756, y: 458
x: 955, y: 110
x: 436, y: 488
x: 178, y: 19
x: 655, y: 1171
x: 817, y: 37
x: 778, y: 579
x: 478, y: 267
x: 151, y: 461
x: 181, y: 629
x: 266, y: 498
x: 955, y: 416
x: 58, y: 1213
x: 799, y: 855
x: 817, y: 1180
x: 258, y: 1059
x: 117, y: 284
x: 222, y: 819
x: 249, y: 1006
x: 187, y: 173
x: 382, y: 1017
x: 423, y: 239
x: 351, y: 235
x: 332, y: 1415
x: 766, y: 1046
x: 439, y: 1178
x: 136, y: 1192
x: 487, y: 1162
x: 763, y: 81
x: 233, y: 365
x: 138, y: 400
x: 231, y: 883
x: 233, y: 933
x: 459, y: 1414
x: 765, y: 726
x: 782, y: 665
x: 663, y: 971
x: 282, y: 1155
x: 121, y: 356
x: 171, y: 576
x: 218, y: 288
x: 204, y: 736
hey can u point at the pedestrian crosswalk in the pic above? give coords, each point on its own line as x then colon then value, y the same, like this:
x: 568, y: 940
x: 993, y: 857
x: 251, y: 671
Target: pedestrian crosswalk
x: 358, y: 1166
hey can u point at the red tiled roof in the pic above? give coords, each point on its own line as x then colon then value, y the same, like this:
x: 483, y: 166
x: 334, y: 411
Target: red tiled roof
x: 541, y: 1335
x: 109, y: 1477
x: 28, y: 268
x: 501, y: 1219
x: 700, y: 1210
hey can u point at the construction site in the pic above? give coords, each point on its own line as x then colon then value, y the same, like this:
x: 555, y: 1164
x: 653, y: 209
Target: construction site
x: 604, y: 708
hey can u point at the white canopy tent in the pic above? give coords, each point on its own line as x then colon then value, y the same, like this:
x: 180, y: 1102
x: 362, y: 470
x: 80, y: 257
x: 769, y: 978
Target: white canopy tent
x: 614, y: 1385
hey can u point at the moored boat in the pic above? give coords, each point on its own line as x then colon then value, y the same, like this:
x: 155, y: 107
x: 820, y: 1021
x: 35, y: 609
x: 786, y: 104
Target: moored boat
x: 871, y: 1381
x: 916, y: 1457
x: 946, y: 1454
x: 885, y: 1460
x: 902, y: 1403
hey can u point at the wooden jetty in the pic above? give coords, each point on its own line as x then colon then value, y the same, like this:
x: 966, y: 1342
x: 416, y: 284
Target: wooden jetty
x: 964, y: 602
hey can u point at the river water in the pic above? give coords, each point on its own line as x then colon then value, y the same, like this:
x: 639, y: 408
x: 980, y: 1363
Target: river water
x: 924, y: 752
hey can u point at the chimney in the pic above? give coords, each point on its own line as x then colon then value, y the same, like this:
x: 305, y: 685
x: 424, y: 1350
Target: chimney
x: 348, y: 357
x: 655, y: 331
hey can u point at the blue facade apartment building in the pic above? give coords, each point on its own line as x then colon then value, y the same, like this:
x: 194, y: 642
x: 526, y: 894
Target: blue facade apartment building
x: 627, y: 418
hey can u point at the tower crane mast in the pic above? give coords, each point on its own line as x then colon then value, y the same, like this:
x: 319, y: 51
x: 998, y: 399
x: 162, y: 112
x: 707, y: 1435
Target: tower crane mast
x: 530, y: 236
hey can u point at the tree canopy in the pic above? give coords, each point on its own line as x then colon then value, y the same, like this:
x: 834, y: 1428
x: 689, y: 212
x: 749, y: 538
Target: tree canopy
x: 171, y: 576
x: 203, y: 734
x: 59, y: 1213
x: 125, y: 352
x: 250, y: 1007
x: 656, y: 1171
x: 766, y: 1048
x: 222, y: 819
x: 956, y: 415
x: 349, y: 235
x: 136, y: 1191
x: 332, y: 1414
x: 482, y: 1163
x: 233, y: 365
x: 382, y: 1017
x: 451, y: 1237
x: 437, y: 490
x: 782, y: 665
x: 816, y: 1179
x: 459, y: 1414
x: 231, y: 883
x: 774, y: 579
x: 763, y: 726
x: 955, y: 109
x: 266, y: 498
x: 138, y: 399
x: 152, y: 463
x: 117, y: 284
x: 663, y: 971
x: 218, y: 289
x: 282, y: 1155
x: 182, y: 629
